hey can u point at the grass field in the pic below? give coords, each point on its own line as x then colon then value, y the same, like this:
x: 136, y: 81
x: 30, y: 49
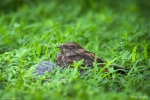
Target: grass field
x: 117, y: 31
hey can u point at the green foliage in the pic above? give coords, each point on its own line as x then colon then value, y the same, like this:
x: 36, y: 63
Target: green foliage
x: 116, y: 31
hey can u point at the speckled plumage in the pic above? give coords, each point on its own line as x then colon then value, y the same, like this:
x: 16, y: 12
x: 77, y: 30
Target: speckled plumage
x: 71, y: 51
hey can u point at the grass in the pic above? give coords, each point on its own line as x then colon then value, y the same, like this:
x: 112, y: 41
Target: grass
x: 118, y: 32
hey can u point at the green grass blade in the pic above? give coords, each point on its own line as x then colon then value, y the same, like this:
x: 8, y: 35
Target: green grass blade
x: 134, y: 53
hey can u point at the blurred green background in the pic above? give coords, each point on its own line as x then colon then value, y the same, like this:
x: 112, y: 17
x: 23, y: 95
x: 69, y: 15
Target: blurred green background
x: 116, y: 30
x: 84, y: 17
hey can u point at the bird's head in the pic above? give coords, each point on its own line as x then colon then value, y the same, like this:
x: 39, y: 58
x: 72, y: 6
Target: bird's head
x: 69, y: 46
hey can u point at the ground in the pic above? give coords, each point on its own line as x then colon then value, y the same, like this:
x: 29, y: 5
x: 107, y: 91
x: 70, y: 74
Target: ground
x: 116, y: 31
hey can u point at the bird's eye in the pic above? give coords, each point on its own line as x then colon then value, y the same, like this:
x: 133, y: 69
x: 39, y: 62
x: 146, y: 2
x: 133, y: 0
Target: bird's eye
x: 72, y: 47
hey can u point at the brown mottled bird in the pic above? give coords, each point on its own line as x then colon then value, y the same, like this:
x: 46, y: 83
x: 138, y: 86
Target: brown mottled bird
x: 71, y: 51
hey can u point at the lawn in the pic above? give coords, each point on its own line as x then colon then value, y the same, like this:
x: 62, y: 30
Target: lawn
x: 117, y: 31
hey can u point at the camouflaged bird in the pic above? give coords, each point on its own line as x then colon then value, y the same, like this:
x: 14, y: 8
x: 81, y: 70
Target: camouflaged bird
x: 70, y: 52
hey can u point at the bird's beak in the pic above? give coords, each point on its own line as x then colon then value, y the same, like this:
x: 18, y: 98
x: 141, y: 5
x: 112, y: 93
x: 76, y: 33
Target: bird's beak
x: 59, y: 46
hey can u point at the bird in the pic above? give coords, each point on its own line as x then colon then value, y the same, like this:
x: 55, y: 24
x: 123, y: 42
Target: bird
x: 71, y: 51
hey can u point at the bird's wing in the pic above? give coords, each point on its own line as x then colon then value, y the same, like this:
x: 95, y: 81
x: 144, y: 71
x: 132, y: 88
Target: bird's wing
x: 82, y: 54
